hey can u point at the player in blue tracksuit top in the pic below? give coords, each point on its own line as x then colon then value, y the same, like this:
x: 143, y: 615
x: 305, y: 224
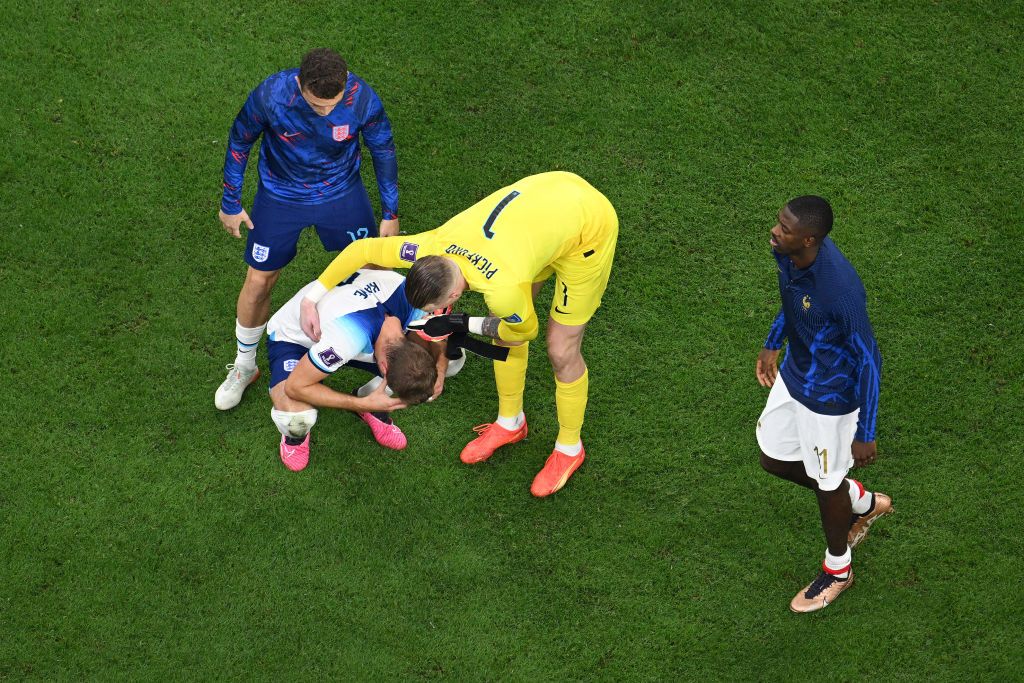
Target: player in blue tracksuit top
x: 311, y: 119
x: 819, y: 421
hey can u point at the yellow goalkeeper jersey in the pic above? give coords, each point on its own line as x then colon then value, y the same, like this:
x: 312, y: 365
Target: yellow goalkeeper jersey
x: 502, y: 244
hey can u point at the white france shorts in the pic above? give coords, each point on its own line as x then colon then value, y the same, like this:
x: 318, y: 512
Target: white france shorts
x: 790, y: 431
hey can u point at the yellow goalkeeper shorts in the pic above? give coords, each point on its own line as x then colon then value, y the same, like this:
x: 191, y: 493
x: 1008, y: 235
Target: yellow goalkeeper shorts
x: 582, y: 276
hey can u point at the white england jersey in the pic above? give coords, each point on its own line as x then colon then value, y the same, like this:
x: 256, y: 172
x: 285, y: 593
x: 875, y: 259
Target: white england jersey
x: 351, y: 316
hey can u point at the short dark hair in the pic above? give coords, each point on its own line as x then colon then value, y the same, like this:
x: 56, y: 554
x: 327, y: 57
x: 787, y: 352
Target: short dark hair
x: 813, y: 213
x: 429, y: 281
x: 412, y: 372
x: 323, y: 72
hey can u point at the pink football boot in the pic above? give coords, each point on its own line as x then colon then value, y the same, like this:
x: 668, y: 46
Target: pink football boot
x: 295, y: 458
x: 387, y: 434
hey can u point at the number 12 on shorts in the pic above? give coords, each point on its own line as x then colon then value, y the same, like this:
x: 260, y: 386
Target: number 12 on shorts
x: 823, y: 457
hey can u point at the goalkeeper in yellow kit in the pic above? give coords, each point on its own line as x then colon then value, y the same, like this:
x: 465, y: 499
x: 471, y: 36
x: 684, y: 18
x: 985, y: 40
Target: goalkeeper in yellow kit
x: 505, y: 247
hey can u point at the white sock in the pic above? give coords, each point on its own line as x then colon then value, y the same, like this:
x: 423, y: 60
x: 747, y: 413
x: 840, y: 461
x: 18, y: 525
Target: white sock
x: 569, y: 450
x: 296, y: 425
x: 838, y: 566
x: 248, y: 339
x: 511, y: 423
x: 369, y: 387
x: 860, y: 498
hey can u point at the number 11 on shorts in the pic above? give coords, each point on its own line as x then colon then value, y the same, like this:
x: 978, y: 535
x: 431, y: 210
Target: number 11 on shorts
x: 823, y: 457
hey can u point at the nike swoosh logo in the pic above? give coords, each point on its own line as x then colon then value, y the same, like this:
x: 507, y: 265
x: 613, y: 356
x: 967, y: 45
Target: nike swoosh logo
x: 559, y: 310
x: 290, y: 135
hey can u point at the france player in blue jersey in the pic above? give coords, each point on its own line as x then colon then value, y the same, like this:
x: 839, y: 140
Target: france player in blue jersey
x: 310, y: 119
x: 820, y: 420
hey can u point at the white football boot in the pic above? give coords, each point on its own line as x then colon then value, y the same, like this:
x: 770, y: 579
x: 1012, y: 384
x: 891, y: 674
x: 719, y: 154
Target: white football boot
x: 229, y: 394
x: 455, y: 365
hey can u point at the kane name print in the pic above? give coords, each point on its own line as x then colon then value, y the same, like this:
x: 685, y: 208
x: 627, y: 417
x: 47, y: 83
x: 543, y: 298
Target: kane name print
x: 365, y: 292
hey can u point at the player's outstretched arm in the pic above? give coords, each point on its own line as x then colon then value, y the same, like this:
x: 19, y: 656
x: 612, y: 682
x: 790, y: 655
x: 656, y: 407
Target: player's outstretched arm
x: 490, y: 326
x: 439, y: 327
x: 377, y: 251
x: 305, y: 384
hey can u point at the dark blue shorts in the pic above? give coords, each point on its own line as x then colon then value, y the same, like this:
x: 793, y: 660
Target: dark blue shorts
x: 271, y: 244
x: 284, y: 356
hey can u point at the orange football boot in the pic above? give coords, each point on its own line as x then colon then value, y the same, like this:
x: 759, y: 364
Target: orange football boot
x: 492, y: 437
x: 556, y: 472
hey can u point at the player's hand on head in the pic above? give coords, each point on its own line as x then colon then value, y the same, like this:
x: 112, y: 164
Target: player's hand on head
x: 766, y: 369
x: 309, y: 319
x: 391, y: 333
x: 378, y: 401
x: 389, y: 227
x: 438, y: 386
x: 233, y: 222
x: 864, y: 453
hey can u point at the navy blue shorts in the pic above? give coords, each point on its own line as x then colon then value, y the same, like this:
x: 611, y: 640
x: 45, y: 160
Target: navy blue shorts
x: 284, y: 356
x: 271, y: 244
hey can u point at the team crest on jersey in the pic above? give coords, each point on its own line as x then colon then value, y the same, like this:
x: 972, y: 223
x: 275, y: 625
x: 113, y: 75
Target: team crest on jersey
x: 290, y: 364
x: 329, y: 356
x: 807, y: 302
x: 340, y: 132
x: 513, y: 319
x: 408, y: 252
x: 260, y: 253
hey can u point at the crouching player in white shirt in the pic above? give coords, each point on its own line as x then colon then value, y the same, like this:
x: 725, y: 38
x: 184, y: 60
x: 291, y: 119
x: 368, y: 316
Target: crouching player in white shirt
x: 354, y: 313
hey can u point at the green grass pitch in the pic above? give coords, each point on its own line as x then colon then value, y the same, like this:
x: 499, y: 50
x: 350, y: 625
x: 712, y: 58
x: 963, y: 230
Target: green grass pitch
x: 145, y: 535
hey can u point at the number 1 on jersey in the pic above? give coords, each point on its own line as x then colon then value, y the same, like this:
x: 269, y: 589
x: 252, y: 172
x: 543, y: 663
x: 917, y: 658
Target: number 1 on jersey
x: 488, y: 233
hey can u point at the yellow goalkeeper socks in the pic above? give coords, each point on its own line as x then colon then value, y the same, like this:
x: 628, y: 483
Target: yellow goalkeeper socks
x: 510, y: 378
x: 571, y: 402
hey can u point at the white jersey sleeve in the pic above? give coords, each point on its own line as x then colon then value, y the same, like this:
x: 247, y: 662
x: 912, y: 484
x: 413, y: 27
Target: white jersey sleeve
x: 341, y: 340
x: 351, y: 316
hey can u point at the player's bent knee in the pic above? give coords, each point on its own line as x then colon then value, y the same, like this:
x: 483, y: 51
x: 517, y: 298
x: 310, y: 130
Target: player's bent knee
x: 564, y: 340
x: 295, y: 424
x: 559, y: 358
x: 564, y: 354
x: 260, y: 282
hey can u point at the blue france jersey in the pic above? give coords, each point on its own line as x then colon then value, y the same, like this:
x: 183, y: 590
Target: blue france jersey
x: 307, y: 158
x: 351, y: 316
x: 832, y: 365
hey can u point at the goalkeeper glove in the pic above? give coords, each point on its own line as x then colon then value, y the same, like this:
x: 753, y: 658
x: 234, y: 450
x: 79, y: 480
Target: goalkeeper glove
x: 440, y: 327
